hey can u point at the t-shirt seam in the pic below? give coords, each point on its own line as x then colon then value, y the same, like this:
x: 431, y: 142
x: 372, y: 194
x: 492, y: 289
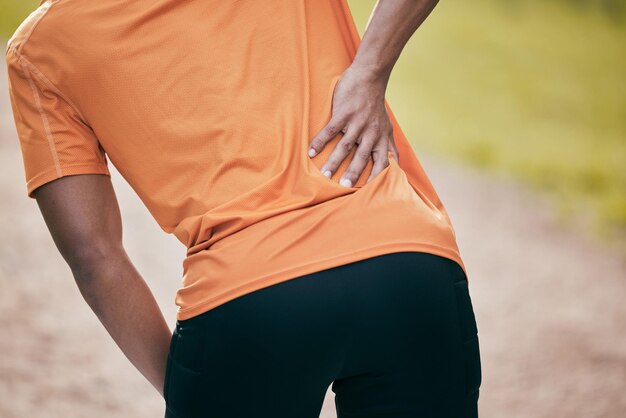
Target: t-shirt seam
x: 41, y: 76
x: 29, y: 69
x: 42, y: 114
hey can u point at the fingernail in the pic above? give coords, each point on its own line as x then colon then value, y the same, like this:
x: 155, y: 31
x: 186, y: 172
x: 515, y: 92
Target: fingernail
x: 312, y: 152
x: 345, y: 182
x: 327, y: 173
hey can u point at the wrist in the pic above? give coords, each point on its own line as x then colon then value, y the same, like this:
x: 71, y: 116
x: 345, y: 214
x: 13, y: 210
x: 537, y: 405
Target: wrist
x: 372, y: 73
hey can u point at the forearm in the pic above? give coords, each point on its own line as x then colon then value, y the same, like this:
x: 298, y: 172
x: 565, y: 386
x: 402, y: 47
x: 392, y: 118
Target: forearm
x: 390, y: 26
x: 124, y: 304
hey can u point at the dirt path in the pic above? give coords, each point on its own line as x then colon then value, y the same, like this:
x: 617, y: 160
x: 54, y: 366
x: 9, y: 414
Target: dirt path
x: 549, y: 305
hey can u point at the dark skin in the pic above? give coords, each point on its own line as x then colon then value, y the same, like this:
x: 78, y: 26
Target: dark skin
x: 88, y: 233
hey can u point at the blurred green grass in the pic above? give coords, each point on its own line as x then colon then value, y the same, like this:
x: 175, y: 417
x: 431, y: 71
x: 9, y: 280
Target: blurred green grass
x: 533, y: 90
x: 12, y: 12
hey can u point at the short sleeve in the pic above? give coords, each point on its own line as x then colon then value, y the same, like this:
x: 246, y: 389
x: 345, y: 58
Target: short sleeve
x: 54, y: 139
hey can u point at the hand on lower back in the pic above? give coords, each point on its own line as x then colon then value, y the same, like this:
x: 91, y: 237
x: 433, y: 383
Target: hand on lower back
x: 358, y: 111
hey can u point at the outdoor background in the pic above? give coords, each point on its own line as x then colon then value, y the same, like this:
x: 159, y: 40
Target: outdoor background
x: 517, y: 111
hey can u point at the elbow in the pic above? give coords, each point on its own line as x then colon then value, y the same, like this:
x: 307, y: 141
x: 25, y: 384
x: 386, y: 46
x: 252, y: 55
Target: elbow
x: 89, y: 264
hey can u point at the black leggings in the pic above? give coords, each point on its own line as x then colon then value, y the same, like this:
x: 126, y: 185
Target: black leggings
x: 394, y: 334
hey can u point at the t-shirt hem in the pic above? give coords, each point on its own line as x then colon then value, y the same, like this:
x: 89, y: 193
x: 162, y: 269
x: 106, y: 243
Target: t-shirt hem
x: 292, y: 273
x: 66, y: 170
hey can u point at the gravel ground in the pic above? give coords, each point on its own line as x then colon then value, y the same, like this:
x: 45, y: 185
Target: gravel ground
x: 549, y: 303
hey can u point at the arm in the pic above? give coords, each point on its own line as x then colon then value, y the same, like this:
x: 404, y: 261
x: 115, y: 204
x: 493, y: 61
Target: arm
x: 83, y: 217
x: 359, y: 98
x: 390, y: 26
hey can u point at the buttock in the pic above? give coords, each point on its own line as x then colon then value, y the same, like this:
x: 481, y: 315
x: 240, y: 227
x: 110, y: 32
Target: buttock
x: 389, y: 334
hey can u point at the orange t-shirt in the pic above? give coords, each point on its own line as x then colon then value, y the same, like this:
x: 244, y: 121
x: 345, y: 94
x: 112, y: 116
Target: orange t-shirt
x: 207, y: 110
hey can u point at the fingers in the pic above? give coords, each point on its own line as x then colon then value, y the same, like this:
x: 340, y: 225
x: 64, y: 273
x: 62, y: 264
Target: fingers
x: 331, y: 130
x: 341, y: 151
x: 393, y: 149
x: 365, y: 126
x: 380, y: 155
x: 360, y: 159
x: 369, y: 143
